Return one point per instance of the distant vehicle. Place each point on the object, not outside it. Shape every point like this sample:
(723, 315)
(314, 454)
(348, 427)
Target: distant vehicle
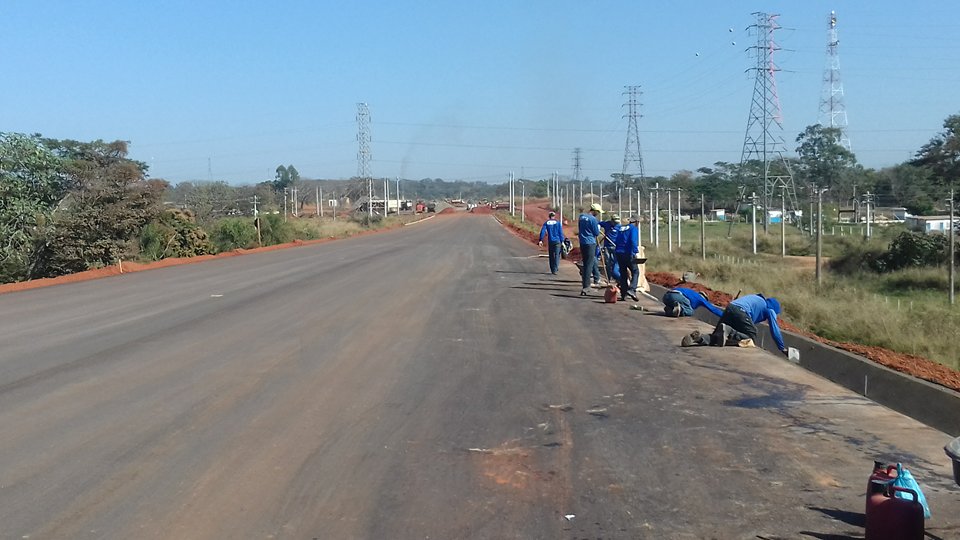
(431, 206)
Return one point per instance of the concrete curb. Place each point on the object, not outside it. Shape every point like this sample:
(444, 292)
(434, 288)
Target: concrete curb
(932, 404)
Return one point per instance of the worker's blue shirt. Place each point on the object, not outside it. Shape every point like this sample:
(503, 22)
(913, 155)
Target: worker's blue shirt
(553, 230)
(610, 230)
(628, 239)
(588, 229)
(756, 307)
(697, 300)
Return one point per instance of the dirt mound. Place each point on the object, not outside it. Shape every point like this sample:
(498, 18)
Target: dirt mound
(916, 366)
(481, 210)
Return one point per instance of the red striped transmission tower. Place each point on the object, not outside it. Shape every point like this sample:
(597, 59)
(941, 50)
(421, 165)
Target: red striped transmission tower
(763, 166)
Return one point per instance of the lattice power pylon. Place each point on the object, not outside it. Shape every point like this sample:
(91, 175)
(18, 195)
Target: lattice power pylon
(763, 166)
(363, 153)
(632, 158)
(833, 112)
(577, 172)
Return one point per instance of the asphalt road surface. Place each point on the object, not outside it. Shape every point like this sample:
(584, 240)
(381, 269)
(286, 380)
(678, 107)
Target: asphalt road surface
(429, 382)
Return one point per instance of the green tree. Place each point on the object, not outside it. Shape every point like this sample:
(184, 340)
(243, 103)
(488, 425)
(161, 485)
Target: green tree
(31, 187)
(824, 161)
(942, 154)
(103, 215)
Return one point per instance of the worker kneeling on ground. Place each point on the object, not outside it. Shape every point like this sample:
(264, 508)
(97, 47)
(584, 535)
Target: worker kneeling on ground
(682, 302)
(738, 324)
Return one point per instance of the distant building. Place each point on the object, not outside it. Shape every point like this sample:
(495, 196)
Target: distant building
(930, 224)
(717, 214)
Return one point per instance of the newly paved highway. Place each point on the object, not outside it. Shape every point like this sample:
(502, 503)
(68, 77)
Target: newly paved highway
(428, 382)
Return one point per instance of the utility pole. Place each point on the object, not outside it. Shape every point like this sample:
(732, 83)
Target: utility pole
(678, 217)
(650, 221)
(523, 197)
(319, 211)
(820, 236)
(513, 211)
(869, 200)
(953, 254)
(630, 200)
(783, 225)
(753, 220)
(285, 191)
(703, 230)
(398, 195)
(656, 215)
(669, 222)
(256, 221)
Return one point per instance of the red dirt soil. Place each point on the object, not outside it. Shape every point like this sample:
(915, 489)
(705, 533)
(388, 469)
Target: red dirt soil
(905, 363)
(481, 210)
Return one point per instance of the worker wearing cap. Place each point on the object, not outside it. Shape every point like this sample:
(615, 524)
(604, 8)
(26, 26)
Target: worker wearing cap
(553, 230)
(588, 230)
(739, 321)
(682, 302)
(610, 229)
(628, 245)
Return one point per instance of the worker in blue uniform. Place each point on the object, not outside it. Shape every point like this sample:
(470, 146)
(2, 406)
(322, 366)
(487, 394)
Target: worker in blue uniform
(628, 245)
(610, 230)
(739, 322)
(553, 230)
(682, 302)
(588, 230)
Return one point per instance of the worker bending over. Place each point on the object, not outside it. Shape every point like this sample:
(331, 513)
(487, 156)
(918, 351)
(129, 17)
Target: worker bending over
(682, 302)
(739, 322)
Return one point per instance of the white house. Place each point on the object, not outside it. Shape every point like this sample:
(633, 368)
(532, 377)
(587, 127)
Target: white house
(931, 224)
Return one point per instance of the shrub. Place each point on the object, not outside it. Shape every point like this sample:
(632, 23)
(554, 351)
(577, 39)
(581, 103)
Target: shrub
(913, 249)
(234, 233)
(274, 230)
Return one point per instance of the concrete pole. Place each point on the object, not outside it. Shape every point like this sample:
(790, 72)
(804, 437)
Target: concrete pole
(656, 216)
(753, 220)
(319, 211)
(953, 255)
(523, 197)
(650, 221)
(819, 237)
(398, 195)
(560, 200)
(678, 218)
(783, 226)
(669, 222)
(703, 230)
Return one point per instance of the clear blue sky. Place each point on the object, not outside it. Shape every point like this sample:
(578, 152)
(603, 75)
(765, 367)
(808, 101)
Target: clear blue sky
(459, 89)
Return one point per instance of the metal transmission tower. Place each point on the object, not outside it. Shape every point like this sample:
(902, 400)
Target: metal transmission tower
(363, 153)
(631, 150)
(763, 144)
(577, 179)
(833, 112)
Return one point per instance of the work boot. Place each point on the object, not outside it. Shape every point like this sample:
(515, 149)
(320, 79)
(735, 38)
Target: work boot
(633, 296)
(693, 338)
(719, 335)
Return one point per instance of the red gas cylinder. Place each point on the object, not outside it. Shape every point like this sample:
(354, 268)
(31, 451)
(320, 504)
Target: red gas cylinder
(893, 518)
(880, 478)
(610, 294)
